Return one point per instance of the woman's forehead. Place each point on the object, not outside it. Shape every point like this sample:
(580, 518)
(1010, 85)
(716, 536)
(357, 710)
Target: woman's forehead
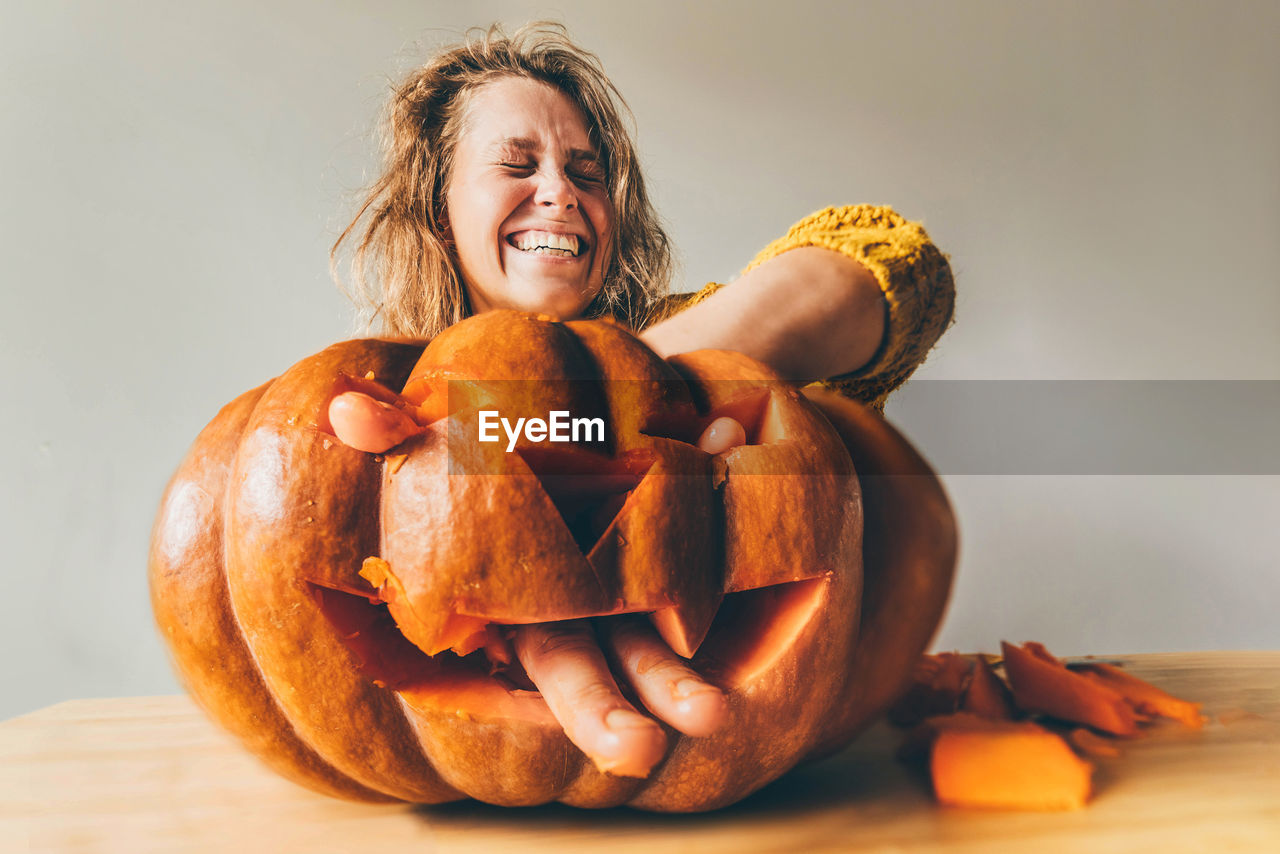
(526, 116)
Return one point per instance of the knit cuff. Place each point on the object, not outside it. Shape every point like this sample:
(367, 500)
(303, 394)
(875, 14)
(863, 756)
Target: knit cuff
(912, 273)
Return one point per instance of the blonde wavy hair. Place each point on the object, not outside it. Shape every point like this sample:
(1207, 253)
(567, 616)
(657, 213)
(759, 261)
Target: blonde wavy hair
(403, 269)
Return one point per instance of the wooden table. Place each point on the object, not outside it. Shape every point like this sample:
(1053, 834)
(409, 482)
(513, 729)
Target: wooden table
(151, 774)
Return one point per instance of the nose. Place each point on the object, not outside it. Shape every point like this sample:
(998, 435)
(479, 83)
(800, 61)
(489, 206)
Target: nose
(556, 191)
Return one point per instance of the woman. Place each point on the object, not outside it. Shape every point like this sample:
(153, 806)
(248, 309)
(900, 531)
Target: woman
(512, 183)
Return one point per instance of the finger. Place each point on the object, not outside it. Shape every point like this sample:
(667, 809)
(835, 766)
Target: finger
(565, 662)
(361, 422)
(497, 647)
(667, 686)
(721, 435)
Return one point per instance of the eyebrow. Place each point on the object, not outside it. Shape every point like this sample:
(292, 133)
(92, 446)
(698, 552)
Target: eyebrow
(521, 143)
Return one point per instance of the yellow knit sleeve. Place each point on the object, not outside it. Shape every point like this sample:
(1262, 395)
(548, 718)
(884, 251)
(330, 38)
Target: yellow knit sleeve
(913, 274)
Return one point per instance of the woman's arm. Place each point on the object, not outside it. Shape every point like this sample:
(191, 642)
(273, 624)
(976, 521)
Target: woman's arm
(808, 320)
(809, 313)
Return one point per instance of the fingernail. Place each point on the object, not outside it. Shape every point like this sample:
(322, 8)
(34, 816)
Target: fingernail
(689, 687)
(626, 719)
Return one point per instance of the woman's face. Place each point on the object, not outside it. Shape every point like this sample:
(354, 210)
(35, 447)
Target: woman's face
(527, 203)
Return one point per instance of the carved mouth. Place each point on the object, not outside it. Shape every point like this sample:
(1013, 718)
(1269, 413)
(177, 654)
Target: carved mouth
(751, 631)
(748, 627)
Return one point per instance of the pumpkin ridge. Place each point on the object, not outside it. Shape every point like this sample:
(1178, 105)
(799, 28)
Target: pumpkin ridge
(284, 469)
(909, 558)
(211, 644)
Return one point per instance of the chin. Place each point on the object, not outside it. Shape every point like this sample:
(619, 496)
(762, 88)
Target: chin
(562, 301)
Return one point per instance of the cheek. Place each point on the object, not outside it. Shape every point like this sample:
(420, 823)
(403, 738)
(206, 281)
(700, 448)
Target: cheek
(605, 225)
(474, 234)
(477, 210)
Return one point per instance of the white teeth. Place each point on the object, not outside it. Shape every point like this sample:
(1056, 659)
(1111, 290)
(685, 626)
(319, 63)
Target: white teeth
(546, 243)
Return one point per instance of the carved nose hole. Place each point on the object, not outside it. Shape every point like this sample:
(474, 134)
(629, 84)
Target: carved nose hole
(588, 489)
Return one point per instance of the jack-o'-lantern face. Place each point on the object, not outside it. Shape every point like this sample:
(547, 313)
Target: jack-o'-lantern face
(525, 531)
(367, 588)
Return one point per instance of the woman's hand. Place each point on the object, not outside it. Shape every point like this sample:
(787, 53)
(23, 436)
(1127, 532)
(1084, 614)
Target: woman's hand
(565, 660)
(566, 663)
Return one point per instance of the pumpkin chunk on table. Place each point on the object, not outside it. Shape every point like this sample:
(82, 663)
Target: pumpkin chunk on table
(977, 762)
(980, 756)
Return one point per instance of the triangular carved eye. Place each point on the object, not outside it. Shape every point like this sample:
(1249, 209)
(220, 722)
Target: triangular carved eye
(587, 488)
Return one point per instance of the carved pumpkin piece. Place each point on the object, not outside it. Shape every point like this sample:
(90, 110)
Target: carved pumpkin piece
(566, 532)
(358, 595)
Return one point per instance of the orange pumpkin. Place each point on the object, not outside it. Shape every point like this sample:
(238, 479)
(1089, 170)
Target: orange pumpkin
(803, 573)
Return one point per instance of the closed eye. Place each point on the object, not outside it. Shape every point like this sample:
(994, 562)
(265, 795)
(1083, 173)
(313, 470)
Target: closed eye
(589, 177)
(588, 169)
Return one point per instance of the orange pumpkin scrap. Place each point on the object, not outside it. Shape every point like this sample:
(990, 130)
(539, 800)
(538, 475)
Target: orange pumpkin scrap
(1090, 743)
(340, 611)
(986, 695)
(1043, 684)
(946, 682)
(977, 762)
(979, 756)
(938, 685)
(1144, 697)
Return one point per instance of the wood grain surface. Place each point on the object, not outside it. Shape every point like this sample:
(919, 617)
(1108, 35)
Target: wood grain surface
(151, 774)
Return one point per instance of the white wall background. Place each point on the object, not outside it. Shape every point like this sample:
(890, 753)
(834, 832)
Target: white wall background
(1104, 175)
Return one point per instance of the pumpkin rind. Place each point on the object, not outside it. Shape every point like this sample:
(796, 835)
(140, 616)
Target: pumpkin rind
(909, 555)
(257, 637)
(193, 611)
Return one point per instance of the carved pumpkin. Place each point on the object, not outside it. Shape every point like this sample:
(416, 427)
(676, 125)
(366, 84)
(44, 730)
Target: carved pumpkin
(803, 573)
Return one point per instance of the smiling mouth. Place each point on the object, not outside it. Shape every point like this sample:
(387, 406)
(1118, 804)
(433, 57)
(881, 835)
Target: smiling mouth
(547, 243)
